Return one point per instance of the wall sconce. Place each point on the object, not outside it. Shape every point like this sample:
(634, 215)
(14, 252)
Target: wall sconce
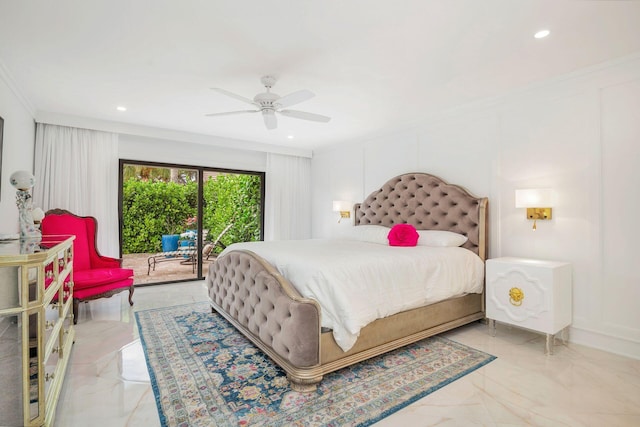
(538, 202)
(344, 207)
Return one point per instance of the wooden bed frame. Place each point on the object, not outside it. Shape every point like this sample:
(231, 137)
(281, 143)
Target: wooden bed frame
(269, 311)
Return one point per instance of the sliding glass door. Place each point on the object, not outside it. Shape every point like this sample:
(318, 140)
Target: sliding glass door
(176, 219)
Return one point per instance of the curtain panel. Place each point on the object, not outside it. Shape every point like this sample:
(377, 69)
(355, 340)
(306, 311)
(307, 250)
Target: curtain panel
(288, 198)
(77, 169)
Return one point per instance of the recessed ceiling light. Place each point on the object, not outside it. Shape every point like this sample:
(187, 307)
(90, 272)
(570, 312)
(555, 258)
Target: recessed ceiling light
(542, 34)
(121, 108)
(290, 136)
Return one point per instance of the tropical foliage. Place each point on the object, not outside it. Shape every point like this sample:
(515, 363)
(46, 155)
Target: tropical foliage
(154, 204)
(233, 199)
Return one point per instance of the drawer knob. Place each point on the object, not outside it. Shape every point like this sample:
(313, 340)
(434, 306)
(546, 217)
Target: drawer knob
(516, 296)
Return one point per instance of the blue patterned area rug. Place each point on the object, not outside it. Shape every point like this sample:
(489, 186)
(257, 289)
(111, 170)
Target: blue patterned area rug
(204, 373)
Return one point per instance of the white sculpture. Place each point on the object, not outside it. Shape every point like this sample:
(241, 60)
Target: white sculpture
(23, 181)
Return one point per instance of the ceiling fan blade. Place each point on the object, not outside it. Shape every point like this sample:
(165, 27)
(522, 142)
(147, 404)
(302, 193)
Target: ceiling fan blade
(235, 96)
(294, 98)
(270, 120)
(305, 116)
(229, 113)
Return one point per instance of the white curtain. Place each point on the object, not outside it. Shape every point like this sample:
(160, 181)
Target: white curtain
(288, 198)
(77, 170)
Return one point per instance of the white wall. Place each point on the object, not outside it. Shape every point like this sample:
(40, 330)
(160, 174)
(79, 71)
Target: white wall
(577, 134)
(17, 154)
(17, 150)
(131, 147)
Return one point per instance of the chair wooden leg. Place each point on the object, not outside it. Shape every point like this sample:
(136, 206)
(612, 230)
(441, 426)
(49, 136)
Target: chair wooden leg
(76, 303)
(131, 289)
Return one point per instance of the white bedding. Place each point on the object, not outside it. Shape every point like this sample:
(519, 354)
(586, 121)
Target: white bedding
(358, 282)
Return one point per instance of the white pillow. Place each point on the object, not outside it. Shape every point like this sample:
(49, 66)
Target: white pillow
(440, 238)
(371, 233)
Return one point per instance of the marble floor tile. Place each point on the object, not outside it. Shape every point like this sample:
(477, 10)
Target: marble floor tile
(107, 383)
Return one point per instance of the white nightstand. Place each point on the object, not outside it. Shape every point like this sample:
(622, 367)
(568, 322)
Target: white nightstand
(529, 293)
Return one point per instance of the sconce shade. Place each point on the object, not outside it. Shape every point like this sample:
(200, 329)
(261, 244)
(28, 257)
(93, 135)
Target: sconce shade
(341, 206)
(534, 198)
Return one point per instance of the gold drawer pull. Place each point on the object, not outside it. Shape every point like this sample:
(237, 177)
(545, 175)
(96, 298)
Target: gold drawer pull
(49, 376)
(516, 296)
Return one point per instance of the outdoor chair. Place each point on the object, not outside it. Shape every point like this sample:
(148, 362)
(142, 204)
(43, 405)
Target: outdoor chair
(94, 275)
(207, 251)
(187, 254)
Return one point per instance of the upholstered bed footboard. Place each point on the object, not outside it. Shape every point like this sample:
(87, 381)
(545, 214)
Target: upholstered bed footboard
(261, 303)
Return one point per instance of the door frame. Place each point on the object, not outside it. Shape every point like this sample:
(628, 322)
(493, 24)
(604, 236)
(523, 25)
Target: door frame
(200, 170)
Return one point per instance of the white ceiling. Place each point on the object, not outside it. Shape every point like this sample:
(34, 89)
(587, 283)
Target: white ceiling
(374, 65)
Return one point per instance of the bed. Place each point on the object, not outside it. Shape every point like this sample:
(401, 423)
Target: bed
(269, 310)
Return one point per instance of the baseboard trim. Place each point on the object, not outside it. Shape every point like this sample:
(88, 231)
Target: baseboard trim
(616, 345)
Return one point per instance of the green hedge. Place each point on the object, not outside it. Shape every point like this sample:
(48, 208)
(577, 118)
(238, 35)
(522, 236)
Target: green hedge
(153, 208)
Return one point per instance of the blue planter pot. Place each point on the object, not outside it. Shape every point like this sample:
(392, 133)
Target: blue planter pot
(170, 242)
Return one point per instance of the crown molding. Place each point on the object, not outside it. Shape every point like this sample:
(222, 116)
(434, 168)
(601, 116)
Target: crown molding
(168, 134)
(7, 78)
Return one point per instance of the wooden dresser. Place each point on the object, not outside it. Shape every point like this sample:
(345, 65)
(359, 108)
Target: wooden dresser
(36, 327)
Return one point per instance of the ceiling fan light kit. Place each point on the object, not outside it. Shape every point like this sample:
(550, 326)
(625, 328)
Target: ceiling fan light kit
(269, 103)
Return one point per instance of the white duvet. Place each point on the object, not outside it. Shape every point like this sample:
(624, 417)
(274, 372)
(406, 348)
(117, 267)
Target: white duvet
(358, 282)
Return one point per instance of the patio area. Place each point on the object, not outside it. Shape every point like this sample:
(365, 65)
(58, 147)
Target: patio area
(166, 271)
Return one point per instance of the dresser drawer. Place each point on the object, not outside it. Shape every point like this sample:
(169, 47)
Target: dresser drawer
(56, 360)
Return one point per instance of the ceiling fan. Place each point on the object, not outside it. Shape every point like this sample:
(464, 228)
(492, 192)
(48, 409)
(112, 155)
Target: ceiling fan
(269, 103)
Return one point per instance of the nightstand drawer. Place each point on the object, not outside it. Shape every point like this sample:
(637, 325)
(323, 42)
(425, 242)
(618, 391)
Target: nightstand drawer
(533, 294)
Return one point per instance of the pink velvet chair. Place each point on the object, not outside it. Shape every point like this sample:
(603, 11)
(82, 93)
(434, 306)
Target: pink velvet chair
(94, 276)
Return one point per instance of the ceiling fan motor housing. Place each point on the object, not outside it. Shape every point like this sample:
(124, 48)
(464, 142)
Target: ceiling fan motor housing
(266, 99)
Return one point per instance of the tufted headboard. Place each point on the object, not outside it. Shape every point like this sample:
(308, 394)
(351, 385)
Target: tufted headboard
(428, 203)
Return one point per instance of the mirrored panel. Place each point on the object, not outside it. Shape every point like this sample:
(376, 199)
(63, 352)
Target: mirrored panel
(9, 290)
(32, 275)
(32, 361)
(11, 372)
